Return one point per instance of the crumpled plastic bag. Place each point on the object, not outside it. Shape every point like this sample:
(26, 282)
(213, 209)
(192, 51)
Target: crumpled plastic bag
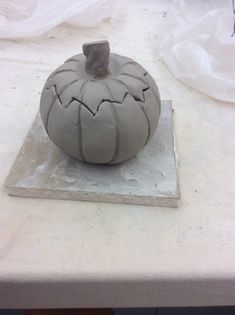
(27, 18)
(198, 46)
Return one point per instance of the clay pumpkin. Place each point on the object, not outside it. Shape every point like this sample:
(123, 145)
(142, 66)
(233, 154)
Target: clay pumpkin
(100, 107)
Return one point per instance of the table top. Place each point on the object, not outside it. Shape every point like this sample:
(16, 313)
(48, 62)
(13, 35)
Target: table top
(58, 253)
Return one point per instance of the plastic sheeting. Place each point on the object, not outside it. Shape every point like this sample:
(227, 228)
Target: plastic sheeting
(198, 46)
(26, 18)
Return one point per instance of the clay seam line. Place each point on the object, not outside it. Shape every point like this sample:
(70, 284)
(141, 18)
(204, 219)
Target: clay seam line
(117, 136)
(102, 101)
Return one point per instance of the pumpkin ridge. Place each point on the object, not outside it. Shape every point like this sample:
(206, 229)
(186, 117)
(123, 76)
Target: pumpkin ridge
(130, 63)
(147, 120)
(127, 88)
(116, 133)
(50, 109)
(81, 94)
(131, 92)
(115, 123)
(68, 85)
(81, 103)
(58, 96)
(65, 87)
(72, 100)
(60, 71)
(74, 59)
(110, 101)
(80, 147)
(134, 77)
(153, 90)
(108, 89)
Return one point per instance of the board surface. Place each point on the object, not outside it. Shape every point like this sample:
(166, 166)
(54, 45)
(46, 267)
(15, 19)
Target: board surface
(42, 170)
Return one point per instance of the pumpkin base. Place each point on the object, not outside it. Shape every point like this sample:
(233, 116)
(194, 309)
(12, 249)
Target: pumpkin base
(42, 170)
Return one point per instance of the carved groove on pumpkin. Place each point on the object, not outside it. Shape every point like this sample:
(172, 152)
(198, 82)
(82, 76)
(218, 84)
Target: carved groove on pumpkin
(80, 146)
(50, 109)
(116, 133)
(116, 124)
(102, 101)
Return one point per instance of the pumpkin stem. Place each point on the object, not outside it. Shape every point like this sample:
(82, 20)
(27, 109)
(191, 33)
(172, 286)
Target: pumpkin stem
(97, 58)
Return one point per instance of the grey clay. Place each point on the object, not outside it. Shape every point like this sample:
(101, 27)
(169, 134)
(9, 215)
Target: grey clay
(100, 107)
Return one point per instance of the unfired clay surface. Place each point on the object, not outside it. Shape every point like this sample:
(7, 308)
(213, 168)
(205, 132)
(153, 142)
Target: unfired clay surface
(99, 107)
(42, 170)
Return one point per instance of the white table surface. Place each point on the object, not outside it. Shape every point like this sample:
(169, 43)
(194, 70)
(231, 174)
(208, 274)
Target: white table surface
(79, 254)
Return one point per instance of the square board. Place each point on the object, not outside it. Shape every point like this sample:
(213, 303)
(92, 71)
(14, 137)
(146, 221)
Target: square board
(42, 170)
